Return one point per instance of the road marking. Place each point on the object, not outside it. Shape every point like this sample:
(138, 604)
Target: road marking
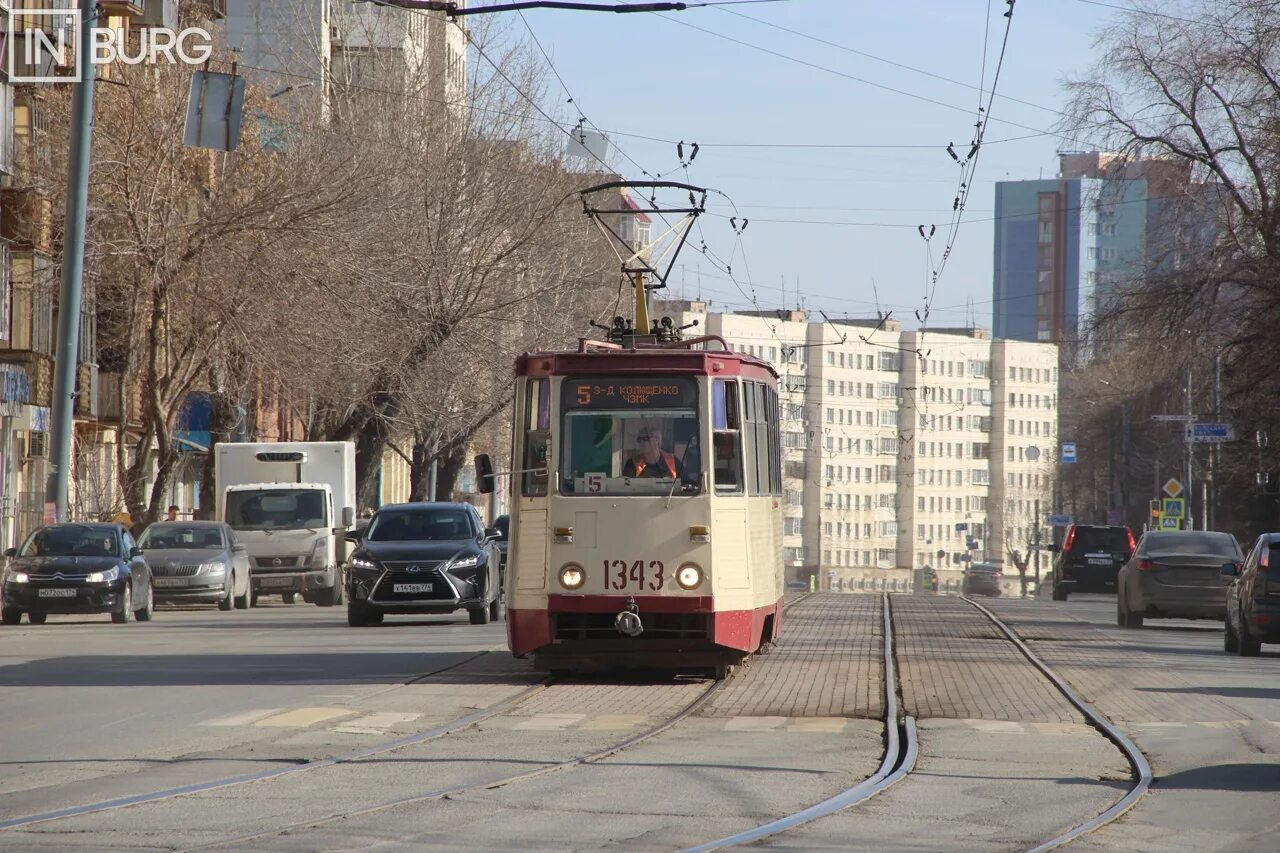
(613, 722)
(817, 724)
(548, 722)
(300, 717)
(1003, 727)
(242, 719)
(753, 724)
(375, 724)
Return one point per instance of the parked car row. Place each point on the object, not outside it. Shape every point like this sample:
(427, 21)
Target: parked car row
(1178, 574)
(411, 558)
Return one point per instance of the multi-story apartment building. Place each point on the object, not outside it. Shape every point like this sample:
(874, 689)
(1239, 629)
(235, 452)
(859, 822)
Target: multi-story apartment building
(902, 449)
(343, 47)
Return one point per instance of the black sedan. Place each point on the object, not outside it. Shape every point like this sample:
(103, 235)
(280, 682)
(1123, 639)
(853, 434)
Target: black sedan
(982, 579)
(77, 568)
(424, 558)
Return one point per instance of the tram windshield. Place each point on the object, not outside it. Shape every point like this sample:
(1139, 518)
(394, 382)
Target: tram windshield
(630, 437)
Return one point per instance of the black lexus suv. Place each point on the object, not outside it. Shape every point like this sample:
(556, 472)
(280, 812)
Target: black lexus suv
(1090, 558)
(424, 558)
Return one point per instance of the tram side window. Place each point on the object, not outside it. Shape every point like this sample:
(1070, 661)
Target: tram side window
(775, 441)
(759, 460)
(726, 436)
(537, 437)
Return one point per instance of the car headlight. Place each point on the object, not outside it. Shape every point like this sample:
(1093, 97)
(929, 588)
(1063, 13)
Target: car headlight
(212, 568)
(19, 577)
(469, 562)
(362, 563)
(689, 576)
(103, 577)
(319, 554)
(572, 576)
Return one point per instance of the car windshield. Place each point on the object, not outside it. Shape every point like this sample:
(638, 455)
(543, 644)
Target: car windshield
(72, 540)
(630, 437)
(417, 525)
(164, 537)
(1101, 539)
(276, 509)
(1191, 543)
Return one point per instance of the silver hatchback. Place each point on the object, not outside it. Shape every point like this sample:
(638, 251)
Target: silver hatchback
(1176, 574)
(197, 562)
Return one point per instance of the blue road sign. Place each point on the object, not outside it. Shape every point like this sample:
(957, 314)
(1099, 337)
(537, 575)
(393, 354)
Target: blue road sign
(1210, 433)
(1059, 521)
(1068, 453)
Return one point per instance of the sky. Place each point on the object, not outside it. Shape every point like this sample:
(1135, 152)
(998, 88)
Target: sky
(836, 227)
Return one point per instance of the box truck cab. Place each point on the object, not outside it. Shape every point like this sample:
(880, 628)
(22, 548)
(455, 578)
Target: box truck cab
(291, 504)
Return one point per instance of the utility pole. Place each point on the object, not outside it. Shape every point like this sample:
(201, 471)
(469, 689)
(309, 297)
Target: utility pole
(1035, 541)
(66, 358)
(1211, 497)
(1190, 485)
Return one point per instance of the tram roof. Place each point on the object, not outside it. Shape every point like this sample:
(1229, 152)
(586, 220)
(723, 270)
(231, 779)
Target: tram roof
(598, 357)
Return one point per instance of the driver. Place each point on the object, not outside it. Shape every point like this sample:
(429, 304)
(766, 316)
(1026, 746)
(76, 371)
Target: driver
(650, 460)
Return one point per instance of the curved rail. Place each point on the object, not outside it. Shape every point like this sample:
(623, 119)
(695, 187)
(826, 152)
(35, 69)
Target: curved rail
(683, 714)
(901, 749)
(245, 778)
(1109, 729)
(489, 784)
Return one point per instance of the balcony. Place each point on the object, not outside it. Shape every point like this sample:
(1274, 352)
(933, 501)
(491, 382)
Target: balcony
(86, 391)
(109, 399)
(126, 8)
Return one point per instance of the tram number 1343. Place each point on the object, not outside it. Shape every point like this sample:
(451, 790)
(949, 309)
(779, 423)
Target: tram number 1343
(619, 574)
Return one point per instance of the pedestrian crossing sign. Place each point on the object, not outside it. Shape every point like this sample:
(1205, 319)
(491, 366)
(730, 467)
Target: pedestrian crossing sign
(1167, 523)
(1174, 508)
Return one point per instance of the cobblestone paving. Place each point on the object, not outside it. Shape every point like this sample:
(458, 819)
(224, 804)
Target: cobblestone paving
(650, 700)
(828, 663)
(953, 662)
(1127, 684)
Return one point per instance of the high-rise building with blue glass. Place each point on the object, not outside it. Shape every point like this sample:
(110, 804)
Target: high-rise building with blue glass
(1063, 244)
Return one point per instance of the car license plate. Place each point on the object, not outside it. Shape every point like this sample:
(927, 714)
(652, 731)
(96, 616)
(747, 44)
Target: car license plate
(411, 587)
(1099, 561)
(57, 593)
(276, 581)
(169, 581)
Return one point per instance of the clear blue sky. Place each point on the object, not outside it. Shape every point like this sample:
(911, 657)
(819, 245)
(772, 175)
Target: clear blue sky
(654, 75)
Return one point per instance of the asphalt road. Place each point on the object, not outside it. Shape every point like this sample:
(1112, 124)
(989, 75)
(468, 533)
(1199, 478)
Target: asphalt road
(94, 711)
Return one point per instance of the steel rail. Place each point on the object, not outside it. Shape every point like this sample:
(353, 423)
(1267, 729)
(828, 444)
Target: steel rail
(451, 727)
(1100, 721)
(490, 784)
(899, 760)
(499, 782)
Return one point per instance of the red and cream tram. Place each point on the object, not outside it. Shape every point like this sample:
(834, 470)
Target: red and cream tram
(646, 529)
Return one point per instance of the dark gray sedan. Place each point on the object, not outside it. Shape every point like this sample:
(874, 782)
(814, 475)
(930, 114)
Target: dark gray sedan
(1176, 574)
(197, 562)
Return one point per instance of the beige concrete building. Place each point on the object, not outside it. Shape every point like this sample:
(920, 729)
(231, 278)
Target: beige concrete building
(901, 449)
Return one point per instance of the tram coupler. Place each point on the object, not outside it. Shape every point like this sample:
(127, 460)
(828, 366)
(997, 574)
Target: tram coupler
(628, 621)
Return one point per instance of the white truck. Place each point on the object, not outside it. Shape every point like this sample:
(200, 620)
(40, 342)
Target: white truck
(291, 504)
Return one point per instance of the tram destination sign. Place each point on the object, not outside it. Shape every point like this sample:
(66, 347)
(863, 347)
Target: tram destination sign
(618, 392)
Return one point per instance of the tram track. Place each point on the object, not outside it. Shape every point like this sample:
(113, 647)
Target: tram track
(1137, 761)
(498, 782)
(454, 726)
(902, 749)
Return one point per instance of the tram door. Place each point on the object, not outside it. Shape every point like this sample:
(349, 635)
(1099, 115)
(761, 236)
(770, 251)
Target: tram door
(529, 540)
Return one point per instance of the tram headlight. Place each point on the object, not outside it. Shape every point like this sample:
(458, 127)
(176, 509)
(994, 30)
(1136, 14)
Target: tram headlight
(572, 576)
(689, 576)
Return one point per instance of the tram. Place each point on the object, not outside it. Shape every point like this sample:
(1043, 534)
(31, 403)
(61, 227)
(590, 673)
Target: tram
(646, 528)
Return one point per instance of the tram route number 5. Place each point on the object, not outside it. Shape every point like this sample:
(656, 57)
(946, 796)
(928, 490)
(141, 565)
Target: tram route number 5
(619, 575)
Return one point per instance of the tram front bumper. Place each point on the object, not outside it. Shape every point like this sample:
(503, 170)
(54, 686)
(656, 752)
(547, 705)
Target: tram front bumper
(582, 632)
